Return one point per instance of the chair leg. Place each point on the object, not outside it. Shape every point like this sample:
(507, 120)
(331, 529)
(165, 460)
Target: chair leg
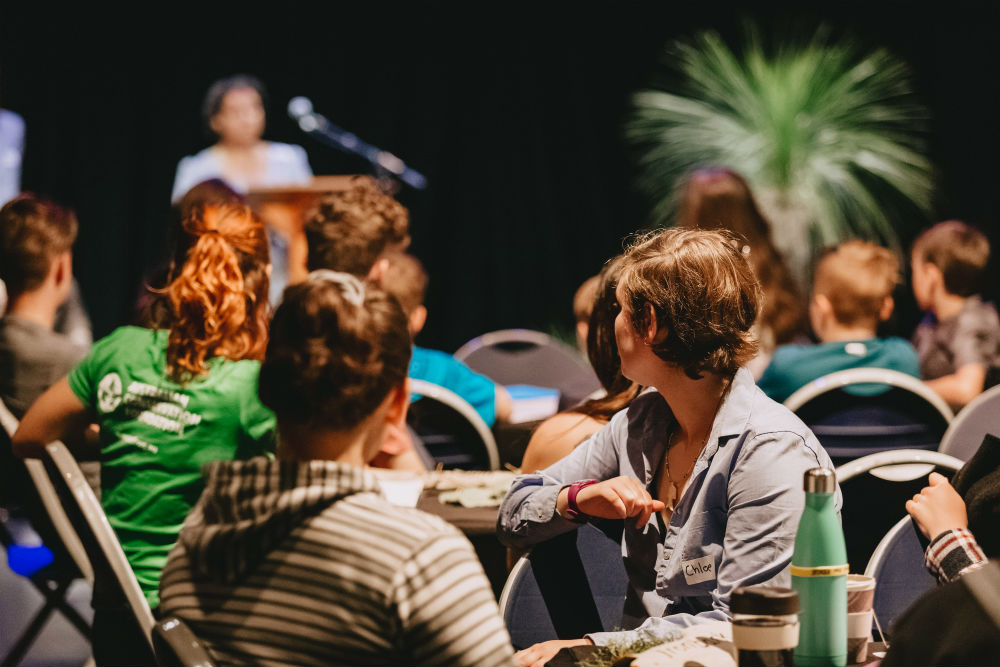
(55, 598)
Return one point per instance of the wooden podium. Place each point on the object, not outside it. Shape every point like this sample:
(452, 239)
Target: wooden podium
(284, 209)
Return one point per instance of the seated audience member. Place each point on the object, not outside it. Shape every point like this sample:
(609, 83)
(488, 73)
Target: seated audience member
(558, 435)
(406, 280)
(354, 231)
(702, 464)
(301, 560)
(36, 262)
(852, 294)
(958, 342)
(583, 306)
(168, 400)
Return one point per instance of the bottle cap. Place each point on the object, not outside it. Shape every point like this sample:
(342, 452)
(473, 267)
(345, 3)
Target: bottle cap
(769, 600)
(820, 480)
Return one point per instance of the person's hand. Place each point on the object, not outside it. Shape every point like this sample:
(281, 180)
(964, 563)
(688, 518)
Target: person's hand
(618, 498)
(539, 654)
(938, 507)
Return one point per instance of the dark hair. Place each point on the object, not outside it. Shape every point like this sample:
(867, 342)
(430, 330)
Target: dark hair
(702, 292)
(602, 348)
(348, 230)
(720, 198)
(33, 231)
(406, 280)
(215, 302)
(212, 102)
(959, 251)
(335, 352)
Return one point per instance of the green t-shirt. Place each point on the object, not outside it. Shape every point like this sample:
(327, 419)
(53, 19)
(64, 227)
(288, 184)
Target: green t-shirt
(156, 435)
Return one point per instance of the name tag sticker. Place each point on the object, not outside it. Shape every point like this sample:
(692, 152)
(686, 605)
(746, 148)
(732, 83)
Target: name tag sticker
(698, 570)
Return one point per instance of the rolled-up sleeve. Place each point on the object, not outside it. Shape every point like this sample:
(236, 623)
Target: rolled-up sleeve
(528, 512)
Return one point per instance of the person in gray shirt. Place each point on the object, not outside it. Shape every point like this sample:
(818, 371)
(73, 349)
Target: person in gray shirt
(705, 468)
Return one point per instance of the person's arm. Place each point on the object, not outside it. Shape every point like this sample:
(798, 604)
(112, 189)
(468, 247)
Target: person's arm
(959, 388)
(57, 415)
(555, 438)
(503, 404)
(446, 607)
(939, 512)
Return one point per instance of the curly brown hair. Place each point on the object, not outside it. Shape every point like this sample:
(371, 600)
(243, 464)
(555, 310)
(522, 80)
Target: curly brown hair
(215, 301)
(349, 230)
(334, 354)
(701, 290)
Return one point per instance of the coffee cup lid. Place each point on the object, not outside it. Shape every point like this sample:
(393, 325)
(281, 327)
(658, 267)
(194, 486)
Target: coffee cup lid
(775, 600)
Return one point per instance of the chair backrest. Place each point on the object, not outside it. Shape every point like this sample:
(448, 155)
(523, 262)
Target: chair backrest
(112, 573)
(450, 429)
(897, 564)
(175, 645)
(876, 488)
(566, 587)
(860, 411)
(524, 356)
(966, 431)
(49, 500)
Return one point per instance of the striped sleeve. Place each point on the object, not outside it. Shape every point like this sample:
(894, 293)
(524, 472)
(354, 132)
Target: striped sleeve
(952, 554)
(446, 607)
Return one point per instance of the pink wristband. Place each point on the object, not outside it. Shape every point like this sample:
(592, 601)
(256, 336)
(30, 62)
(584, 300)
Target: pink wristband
(573, 512)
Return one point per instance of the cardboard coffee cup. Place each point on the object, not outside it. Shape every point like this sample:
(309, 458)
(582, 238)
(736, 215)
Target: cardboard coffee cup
(860, 596)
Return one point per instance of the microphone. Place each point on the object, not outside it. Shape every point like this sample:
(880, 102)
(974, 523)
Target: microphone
(301, 110)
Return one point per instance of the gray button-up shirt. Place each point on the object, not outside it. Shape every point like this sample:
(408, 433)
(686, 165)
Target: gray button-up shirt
(733, 526)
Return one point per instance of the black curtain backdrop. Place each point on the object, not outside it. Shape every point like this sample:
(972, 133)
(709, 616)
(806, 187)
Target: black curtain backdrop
(514, 113)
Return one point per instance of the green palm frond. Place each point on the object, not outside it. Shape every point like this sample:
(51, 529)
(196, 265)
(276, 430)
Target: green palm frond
(832, 139)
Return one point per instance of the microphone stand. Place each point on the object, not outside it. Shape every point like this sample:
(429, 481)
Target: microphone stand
(384, 162)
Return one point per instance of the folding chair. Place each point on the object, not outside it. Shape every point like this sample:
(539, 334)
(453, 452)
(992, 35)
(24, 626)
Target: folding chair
(861, 411)
(876, 488)
(177, 646)
(566, 587)
(897, 564)
(450, 429)
(965, 433)
(112, 573)
(52, 567)
(523, 356)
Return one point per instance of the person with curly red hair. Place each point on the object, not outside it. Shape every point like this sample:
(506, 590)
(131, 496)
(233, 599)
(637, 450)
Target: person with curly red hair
(168, 399)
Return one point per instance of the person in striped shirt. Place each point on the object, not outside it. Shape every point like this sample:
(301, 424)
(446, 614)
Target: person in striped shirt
(300, 559)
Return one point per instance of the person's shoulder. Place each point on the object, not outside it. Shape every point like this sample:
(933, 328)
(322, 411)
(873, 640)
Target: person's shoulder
(408, 525)
(285, 152)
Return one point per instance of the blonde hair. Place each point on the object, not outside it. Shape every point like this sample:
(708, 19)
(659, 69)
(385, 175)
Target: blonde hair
(856, 277)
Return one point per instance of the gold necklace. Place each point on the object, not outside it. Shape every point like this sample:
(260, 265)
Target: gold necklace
(673, 492)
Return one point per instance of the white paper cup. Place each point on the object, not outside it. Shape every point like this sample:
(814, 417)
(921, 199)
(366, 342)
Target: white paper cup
(859, 632)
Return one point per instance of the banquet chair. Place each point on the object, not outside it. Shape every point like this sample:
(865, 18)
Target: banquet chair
(861, 411)
(50, 567)
(979, 417)
(524, 356)
(875, 489)
(897, 565)
(113, 576)
(449, 429)
(567, 586)
(175, 645)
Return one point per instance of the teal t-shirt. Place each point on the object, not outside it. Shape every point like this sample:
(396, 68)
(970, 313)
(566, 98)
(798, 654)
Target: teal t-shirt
(156, 435)
(794, 366)
(446, 371)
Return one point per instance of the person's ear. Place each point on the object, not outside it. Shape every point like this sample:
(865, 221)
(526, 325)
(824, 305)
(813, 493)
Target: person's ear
(654, 333)
(378, 271)
(934, 278)
(885, 312)
(417, 319)
(62, 269)
(399, 402)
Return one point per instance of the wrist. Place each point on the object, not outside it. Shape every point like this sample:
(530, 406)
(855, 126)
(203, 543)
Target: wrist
(573, 511)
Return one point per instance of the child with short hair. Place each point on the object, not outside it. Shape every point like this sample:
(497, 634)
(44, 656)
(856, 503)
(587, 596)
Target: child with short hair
(958, 341)
(406, 280)
(852, 293)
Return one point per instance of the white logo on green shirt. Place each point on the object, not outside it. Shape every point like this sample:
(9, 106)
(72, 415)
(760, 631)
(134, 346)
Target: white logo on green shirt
(109, 392)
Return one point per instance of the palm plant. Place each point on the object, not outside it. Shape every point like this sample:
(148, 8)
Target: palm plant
(830, 138)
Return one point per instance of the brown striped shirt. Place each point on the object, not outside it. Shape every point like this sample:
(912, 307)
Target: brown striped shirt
(306, 563)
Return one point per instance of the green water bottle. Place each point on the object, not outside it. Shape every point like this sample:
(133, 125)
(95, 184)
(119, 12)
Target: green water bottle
(819, 575)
